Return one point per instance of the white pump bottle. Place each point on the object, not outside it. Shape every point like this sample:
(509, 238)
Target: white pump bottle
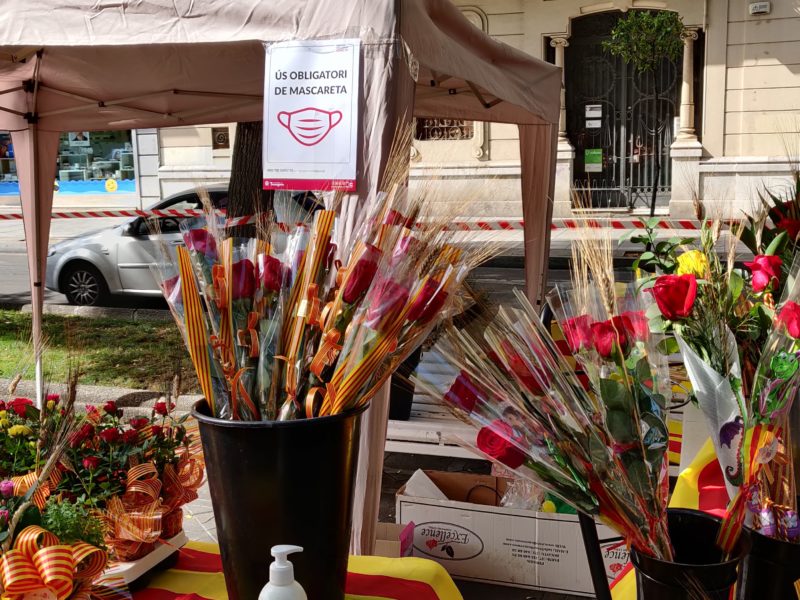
(282, 585)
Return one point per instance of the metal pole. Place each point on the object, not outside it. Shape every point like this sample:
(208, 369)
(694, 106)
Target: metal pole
(597, 567)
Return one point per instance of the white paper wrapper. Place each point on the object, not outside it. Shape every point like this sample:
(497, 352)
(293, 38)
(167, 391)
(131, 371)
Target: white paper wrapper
(721, 408)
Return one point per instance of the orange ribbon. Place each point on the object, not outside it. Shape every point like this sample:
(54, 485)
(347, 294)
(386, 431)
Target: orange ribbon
(23, 483)
(182, 481)
(220, 285)
(329, 349)
(249, 337)
(239, 391)
(38, 561)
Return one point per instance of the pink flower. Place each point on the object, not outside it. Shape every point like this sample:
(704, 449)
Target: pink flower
(361, 275)
(6, 488)
(200, 240)
(766, 271)
(270, 273)
(385, 302)
(244, 279)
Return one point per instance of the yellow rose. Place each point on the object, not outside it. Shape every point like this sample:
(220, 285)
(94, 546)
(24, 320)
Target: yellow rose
(693, 262)
(19, 430)
(3, 414)
(51, 404)
(4, 423)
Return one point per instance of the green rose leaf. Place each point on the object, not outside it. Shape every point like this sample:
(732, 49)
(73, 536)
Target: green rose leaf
(615, 395)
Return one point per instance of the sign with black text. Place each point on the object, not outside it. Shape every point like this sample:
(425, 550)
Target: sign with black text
(311, 115)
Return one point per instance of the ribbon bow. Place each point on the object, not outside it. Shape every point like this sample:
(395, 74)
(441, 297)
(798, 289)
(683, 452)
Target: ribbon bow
(182, 481)
(23, 483)
(328, 351)
(39, 561)
(248, 337)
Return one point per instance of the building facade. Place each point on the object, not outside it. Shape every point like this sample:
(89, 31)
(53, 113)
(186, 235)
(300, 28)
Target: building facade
(724, 119)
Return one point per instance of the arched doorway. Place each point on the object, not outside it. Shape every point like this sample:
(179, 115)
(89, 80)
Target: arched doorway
(614, 121)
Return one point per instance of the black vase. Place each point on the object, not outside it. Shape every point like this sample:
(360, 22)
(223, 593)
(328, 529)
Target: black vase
(282, 482)
(699, 569)
(770, 569)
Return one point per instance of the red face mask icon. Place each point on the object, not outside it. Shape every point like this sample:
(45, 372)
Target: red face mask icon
(309, 126)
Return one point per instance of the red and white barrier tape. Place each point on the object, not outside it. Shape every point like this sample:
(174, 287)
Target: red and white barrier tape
(496, 225)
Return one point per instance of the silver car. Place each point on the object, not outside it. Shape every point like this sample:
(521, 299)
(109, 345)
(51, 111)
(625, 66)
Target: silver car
(116, 260)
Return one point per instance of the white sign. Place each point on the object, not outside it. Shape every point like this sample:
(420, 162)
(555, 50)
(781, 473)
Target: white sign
(311, 115)
(593, 123)
(594, 111)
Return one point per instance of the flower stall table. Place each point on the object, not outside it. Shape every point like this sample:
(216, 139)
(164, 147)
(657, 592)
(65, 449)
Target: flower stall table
(198, 575)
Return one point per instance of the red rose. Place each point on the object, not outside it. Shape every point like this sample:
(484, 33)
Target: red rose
(2, 405)
(91, 463)
(385, 302)
(130, 436)
(84, 433)
(394, 217)
(270, 273)
(110, 408)
(766, 271)
(138, 423)
(675, 295)
(361, 275)
(463, 393)
(578, 332)
(790, 226)
(429, 300)
(110, 435)
(407, 244)
(790, 317)
(156, 430)
(244, 279)
(498, 441)
(20, 405)
(611, 335)
(521, 369)
(201, 241)
(636, 324)
(162, 409)
(171, 288)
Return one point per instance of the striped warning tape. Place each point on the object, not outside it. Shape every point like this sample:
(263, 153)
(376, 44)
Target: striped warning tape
(494, 225)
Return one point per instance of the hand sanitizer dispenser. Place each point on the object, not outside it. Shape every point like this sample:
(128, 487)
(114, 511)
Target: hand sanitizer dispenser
(282, 585)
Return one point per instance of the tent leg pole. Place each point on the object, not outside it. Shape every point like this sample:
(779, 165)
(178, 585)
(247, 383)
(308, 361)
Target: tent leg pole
(38, 371)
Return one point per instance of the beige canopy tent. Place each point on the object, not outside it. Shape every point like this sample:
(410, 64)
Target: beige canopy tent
(70, 65)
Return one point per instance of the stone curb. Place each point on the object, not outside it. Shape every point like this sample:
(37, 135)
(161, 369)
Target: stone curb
(109, 312)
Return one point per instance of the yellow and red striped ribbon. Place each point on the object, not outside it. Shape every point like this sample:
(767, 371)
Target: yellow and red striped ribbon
(320, 239)
(195, 327)
(23, 483)
(38, 561)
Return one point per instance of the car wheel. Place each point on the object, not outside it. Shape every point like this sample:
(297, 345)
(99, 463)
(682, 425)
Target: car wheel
(84, 285)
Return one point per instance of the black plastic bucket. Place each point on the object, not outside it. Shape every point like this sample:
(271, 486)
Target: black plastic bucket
(699, 570)
(770, 570)
(288, 482)
(401, 394)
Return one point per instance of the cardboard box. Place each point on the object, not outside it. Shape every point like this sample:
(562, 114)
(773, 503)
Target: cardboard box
(475, 539)
(393, 540)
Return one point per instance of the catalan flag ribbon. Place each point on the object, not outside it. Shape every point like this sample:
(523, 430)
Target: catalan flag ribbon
(39, 561)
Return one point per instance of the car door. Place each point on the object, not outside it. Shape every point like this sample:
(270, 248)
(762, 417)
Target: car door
(138, 247)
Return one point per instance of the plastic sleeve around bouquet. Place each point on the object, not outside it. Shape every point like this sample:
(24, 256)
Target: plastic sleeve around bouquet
(627, 373)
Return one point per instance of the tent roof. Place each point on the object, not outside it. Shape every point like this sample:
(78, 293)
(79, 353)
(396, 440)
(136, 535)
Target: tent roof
(201, 62)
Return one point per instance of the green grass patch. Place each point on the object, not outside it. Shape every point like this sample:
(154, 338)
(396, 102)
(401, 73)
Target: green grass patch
(140, 354)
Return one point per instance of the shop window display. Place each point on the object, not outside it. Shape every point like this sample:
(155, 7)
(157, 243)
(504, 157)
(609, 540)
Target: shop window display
(89, 162)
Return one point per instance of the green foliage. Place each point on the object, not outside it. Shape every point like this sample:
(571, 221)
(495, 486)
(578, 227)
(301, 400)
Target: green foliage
(73, 522)
(644, 38)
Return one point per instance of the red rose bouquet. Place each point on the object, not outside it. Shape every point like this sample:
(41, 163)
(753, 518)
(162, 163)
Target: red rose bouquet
(503, 374)
(287, 325)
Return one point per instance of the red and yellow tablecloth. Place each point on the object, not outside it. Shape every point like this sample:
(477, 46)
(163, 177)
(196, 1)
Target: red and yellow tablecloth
(198, 576)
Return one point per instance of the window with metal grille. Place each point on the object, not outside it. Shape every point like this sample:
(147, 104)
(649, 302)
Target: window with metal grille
(444, 129)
